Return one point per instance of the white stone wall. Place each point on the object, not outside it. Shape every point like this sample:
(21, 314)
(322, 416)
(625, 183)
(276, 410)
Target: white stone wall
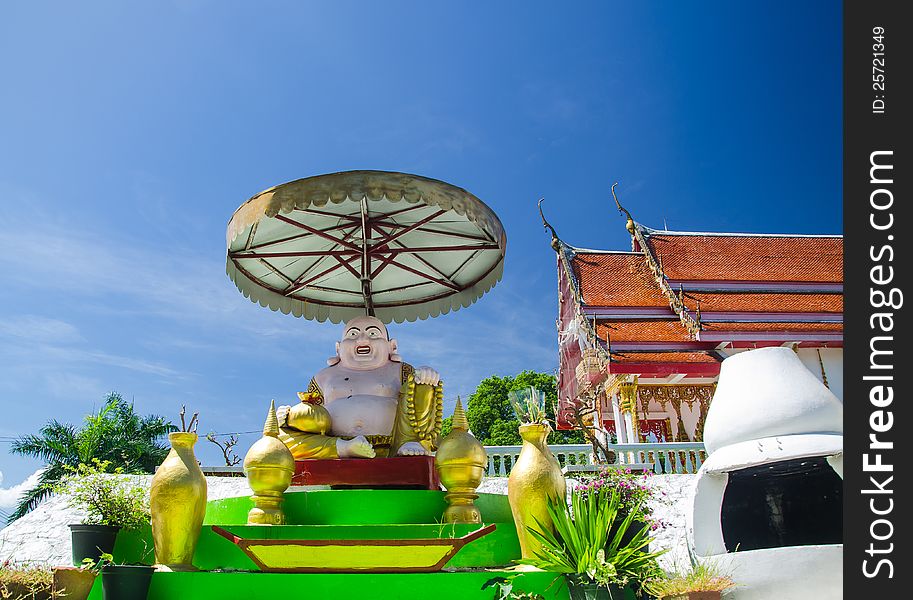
(43, 537)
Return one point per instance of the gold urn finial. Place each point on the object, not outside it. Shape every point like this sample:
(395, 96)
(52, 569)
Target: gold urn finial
(269, 467)
(460, 462)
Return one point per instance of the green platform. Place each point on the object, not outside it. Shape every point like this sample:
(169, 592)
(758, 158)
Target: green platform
(226, 572)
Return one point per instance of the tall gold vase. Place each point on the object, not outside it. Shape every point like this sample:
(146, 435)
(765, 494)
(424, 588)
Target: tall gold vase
(178, 504)
(534, 480)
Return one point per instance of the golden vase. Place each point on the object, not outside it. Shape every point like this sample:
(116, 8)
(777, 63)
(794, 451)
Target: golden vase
(178, 504)
(269, 467)
(534, 480)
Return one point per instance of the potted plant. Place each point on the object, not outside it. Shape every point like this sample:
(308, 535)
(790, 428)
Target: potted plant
(111, 501)
(703, 581)
(591, 553)
(122, 581)
(634, 493)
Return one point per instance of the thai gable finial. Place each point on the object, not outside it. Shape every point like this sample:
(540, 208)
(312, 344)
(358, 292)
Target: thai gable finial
(630, 224)
(556, 241)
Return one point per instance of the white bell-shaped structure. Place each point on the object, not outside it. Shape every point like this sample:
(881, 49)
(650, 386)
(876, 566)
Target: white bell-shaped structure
(767, 503)
(769, 392)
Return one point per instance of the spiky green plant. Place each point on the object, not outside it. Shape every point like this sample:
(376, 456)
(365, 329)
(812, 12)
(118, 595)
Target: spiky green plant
(529, 405)
(582, 549)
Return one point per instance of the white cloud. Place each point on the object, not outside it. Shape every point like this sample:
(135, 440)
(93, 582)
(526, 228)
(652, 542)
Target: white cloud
(9, 496)
(36, 328)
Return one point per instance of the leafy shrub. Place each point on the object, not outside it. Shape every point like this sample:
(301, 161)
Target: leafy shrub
(109, 497)
(633, 490)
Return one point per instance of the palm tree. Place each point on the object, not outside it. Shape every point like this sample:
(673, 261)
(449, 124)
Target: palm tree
(115, 433)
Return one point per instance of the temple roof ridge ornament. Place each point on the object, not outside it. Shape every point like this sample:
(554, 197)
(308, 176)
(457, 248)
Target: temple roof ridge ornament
(630, 225)
(565, 255)
(654, 263)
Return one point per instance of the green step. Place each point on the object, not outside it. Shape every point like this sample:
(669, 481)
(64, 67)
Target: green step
(445, 585)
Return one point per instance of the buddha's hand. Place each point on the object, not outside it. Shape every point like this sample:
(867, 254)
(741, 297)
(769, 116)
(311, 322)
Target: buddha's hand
(282, 415)
(412, 449)
(427, 375)
(357, 447)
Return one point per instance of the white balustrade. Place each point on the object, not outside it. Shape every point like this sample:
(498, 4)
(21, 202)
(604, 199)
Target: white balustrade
(661, 458)
(669, 457)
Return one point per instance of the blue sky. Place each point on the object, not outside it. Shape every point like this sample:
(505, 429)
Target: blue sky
(129, 133)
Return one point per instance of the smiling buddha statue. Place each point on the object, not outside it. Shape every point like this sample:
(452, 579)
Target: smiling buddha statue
(366, 403)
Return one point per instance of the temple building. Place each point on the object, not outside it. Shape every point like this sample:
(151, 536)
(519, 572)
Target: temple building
(642, 332)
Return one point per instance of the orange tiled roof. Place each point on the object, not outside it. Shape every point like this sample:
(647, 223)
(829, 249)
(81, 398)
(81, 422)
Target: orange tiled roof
(663, 357)
(784, 327)
(752, 302)
(616, 279)
(707, 257)
(673, 331)
(670, 330)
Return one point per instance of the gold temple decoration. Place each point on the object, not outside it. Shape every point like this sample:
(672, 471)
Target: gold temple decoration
(664, 394)
(177, 499)
(429, 429)
(628, 403)
(269, 467)
(676, 395)
(535, 480)
(460, 462)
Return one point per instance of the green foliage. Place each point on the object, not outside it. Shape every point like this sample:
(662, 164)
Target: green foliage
(705, 576)
(491, 416)
(504, 589)
(97, 567)
(446, 427)
(115, 434)
(108, 496)
(505, 433)
(582, 548)
(633, 490)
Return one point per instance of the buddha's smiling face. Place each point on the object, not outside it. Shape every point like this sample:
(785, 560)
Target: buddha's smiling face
(365, 344)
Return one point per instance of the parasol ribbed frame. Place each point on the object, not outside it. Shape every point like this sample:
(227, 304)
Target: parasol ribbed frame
(373, 186)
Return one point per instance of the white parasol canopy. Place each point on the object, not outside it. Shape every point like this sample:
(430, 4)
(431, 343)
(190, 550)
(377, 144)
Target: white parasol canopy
(401, 247)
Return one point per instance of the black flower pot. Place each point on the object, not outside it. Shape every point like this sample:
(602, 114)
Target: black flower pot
(594, 591)
(126, 582)
(91, 541)
(634, 528)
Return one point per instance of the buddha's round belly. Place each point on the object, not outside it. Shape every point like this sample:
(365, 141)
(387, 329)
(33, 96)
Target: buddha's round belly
(362, 415)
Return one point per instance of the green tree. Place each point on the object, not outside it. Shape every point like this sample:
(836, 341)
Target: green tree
(116, 434)
(446, 426)
(492, 418)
